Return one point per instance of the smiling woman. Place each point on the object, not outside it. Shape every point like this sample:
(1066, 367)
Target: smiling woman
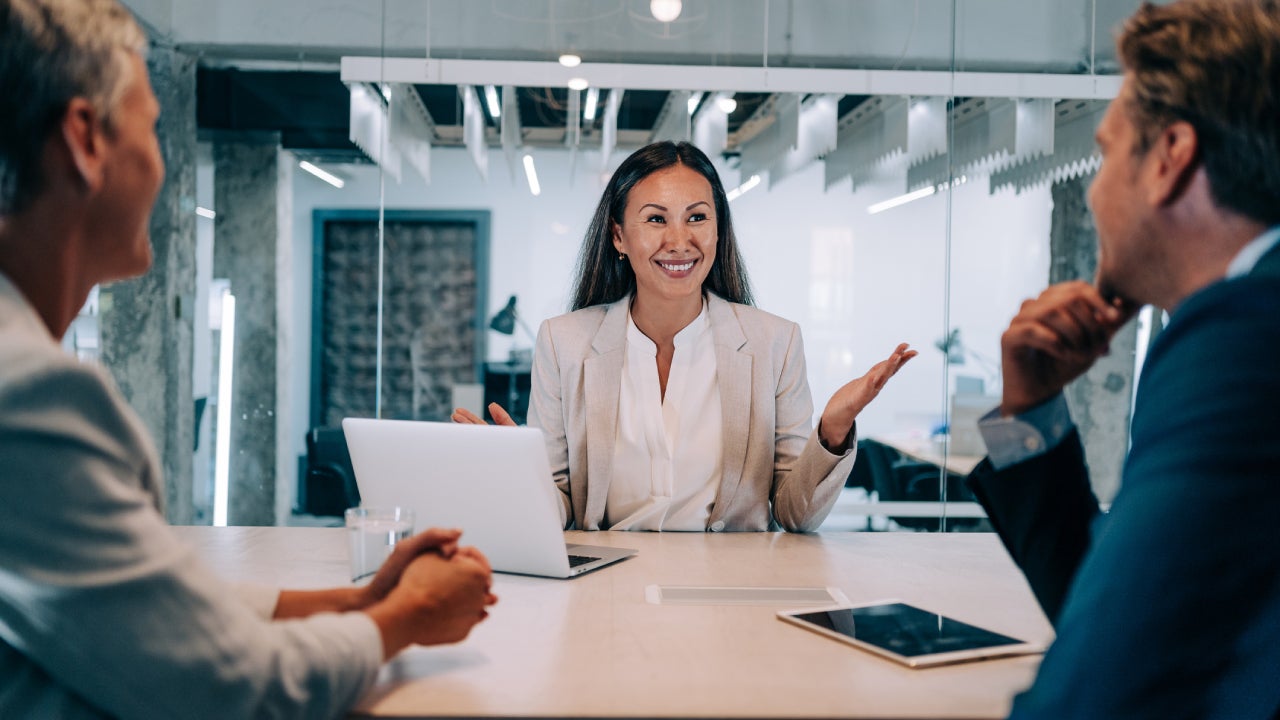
(667, 401)
(668, 235)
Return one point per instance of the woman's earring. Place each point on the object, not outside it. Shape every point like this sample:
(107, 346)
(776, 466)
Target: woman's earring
(622, 256)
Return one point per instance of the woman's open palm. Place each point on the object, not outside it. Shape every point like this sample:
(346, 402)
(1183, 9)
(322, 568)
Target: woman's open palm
(855, 395)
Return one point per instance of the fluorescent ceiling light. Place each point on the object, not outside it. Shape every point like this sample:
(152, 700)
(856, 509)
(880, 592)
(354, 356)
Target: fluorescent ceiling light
(206, 213)
(727, 104)
(894, 202)
(532, 174)
(694, 99)
(578, 83)
(589, 109)
(222, 453)
(665, 10)
(328, 177)
(570, 60)
(491, 97)
(739, 191)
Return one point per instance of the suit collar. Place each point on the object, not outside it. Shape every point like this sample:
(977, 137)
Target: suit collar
(1269, 263)
(733, 376)
(16, 308)
(725, 326)
(602, 381)
(612, 333)
(1258, 254)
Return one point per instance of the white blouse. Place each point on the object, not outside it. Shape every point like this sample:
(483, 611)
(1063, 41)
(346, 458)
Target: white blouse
(668, 454)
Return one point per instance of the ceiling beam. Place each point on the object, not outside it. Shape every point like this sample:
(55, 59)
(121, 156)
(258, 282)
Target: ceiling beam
(730, 79)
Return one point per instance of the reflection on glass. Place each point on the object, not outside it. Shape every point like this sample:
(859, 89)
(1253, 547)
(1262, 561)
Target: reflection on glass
(902, 205)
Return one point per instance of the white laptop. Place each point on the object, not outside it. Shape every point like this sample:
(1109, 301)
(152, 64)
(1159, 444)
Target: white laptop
(494, 483)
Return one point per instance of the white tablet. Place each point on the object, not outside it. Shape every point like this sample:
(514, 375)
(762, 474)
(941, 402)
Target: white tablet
(907, 634)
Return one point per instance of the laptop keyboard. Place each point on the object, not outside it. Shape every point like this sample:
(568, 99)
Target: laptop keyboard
(576, 560)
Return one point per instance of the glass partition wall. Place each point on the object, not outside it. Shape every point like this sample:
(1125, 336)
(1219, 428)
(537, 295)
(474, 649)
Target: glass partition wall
(393, 197)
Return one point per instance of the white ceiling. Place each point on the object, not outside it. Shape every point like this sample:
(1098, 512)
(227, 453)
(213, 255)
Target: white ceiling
(1056, 36)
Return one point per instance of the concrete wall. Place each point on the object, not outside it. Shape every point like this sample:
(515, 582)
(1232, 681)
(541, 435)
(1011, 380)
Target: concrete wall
(146, 324)
(1100, 400)
(245, 252)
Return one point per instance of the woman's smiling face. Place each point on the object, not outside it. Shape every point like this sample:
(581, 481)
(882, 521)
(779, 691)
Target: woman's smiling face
(668, 233)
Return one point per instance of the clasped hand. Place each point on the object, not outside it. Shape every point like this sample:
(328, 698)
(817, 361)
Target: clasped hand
(442, 543)
(443, 588)
(1054, 339)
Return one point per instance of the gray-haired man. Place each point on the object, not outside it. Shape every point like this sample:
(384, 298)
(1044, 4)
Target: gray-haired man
(102, 611)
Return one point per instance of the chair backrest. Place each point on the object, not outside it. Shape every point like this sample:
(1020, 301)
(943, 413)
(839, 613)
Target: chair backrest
(873, 465)
(897, 478)
(329, 485)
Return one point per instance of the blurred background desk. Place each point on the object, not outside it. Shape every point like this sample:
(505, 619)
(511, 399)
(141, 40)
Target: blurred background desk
(594, 647)
(930, 450)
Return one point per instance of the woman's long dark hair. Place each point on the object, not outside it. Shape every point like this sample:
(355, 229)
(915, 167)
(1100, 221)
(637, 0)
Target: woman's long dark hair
(603, 278)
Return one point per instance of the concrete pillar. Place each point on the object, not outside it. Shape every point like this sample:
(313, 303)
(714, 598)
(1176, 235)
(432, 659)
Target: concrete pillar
(244, 252)
(146, 324)
(1099, 399)
(290, 428)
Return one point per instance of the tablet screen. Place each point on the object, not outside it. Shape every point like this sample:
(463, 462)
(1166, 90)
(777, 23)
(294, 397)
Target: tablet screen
(905, 630)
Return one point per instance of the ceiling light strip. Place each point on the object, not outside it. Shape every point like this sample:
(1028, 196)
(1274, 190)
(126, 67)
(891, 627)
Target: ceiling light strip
(732, 79)
(894, 202)
(491, 99)
(531, 173)
(738, 192)
(324, 175)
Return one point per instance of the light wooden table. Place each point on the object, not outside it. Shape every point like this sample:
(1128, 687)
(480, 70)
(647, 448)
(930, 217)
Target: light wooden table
(594, 647)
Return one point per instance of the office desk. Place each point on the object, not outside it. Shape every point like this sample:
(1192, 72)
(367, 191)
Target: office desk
(594, 647)
(930, 451)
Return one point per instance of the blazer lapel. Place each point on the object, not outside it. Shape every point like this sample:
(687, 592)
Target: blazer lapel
(603, 381)
(733, 376)
(1269, 263)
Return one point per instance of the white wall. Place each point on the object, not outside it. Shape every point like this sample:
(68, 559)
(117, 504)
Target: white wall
(856, 283)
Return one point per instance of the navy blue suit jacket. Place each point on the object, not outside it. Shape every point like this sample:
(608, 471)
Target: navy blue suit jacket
(1168, 606)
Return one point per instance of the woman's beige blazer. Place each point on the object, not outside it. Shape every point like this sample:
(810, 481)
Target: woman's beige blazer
(776, 472)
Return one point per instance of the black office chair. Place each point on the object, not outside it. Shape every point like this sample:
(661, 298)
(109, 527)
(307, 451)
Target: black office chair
(329, 483)
(921, 485)
(863, 474)
(897, 478)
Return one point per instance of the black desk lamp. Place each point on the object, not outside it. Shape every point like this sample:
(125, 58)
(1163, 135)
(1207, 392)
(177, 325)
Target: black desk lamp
(505, 322)
(507, 318)
(951, 346)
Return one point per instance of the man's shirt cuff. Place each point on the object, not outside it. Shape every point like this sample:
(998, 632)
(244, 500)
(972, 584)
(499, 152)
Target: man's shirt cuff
(1011, 440)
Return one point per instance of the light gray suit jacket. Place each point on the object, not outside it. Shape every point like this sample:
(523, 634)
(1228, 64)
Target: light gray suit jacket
(103, 611)
(776, 472)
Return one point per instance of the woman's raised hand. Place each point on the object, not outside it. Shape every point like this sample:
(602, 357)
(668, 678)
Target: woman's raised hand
(466, 417)
(848, 401)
